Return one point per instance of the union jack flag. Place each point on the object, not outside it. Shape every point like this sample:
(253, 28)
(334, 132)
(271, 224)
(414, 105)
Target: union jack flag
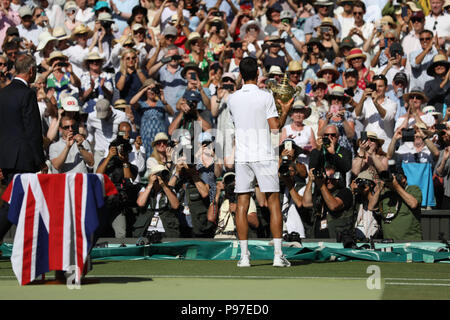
(56, 216)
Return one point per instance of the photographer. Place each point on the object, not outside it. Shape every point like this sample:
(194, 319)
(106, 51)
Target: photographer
(273, 45)
(399, 206)
(370, 156)
(329, 152)
(222, 210)
(161, 203)
(194, 193)
(122, 174)
(366, 224)
(332, 203)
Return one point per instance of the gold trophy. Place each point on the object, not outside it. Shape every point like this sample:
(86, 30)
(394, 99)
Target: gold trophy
(283, 91)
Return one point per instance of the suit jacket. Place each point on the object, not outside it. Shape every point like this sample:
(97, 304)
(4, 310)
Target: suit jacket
(21, 143)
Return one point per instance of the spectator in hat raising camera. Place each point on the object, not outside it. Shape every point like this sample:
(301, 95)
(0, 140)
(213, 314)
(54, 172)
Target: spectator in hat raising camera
(323, 8)
(399, 87)
(294, 37)
(438, 89)
(370, 155)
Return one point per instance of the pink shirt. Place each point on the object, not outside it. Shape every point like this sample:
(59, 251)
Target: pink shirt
(6, 21)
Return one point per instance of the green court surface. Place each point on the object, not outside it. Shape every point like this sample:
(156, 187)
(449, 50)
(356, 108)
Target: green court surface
(222, 280)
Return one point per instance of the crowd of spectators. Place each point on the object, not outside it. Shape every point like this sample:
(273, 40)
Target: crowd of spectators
(138, 90)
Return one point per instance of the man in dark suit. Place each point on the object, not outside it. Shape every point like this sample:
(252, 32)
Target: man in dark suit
(21, 142)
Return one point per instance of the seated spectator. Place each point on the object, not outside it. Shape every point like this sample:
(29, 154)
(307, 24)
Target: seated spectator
(414, 100)
(338, 116)
(370, 156)
(8, 18)
(356, 59)
(161, 204)
(299, 132)
(72, 153)
(331, 201)
(28, 29)
(222, 210)
(77, 52)
(294, 37)
(161, 154)
(377, 112)
(62, 42)
(438, 89)
(60, 77)
(43, 50)
(199, 56)
(95, 83)
(330, 74)
(367, 224)
(416, 155)
(5, 75)
(329, 151)
(270, 55)
(398, 204)
(394, 64)
(314, 58)
(361, 29)
(70, 11)
(421, 59)
(154, 111)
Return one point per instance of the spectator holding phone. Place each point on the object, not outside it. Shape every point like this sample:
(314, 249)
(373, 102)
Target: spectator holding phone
(327, 32)
(154, 109)
(270, 55)
(394, 65)
(370, 156)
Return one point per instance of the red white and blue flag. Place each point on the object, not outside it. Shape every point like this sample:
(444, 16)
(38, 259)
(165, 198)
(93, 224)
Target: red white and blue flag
(56, 216)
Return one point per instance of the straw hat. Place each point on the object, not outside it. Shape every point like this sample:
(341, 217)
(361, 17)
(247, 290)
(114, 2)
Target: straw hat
(55, 55)
(373, 135)
(190, 66)
(192, 36)
(93, 55)
(44, 39)
(415, 91)
(328, 67)
(80, 29)
(60, 34)
(328, 22)
(356, 53)
(161, 136)
(438, 59)
(388, 20)
(121, 104)
(294, 66)
(105, 16)
(414, 7)
(70, 5)
(323, 3)
(338, 92)
(275, 70)
(299, 105)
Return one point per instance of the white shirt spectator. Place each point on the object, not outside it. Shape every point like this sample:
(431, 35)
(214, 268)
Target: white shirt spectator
(103, 132)
(74, 162)
(85, 16)
(31, 34)
(76, 55)
(293, 221)
(366, 30)
(137, 158)
(346, 25)
(372, 121)
(428, 119)
(252, 135)
(419, 75)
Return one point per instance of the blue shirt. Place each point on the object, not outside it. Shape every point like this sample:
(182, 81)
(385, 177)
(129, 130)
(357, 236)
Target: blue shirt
(172, 84)
(401, 110)
(419, 75)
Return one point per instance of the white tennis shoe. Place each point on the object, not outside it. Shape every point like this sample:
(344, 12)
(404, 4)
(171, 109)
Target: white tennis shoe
(280, 261)
(244, 261)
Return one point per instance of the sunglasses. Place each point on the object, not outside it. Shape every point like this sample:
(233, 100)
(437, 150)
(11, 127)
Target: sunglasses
(330, 135)
(414, 20)
(130, 58)
(157, 143)
(390, 39)
(359, 13)
(73, 127)
(296, 72)
(425, 39)
(415, 96)
(2, 63)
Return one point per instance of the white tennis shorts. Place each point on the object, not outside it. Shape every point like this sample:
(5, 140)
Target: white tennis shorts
(264, 172)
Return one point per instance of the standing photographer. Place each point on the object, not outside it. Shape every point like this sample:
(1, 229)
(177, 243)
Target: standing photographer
(118, 168)
(222, 210)
(332, 203)
(273, 46)
(162, 204)
(399, 206)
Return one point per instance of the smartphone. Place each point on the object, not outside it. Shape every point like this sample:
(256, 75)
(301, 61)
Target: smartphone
(404, 11)
(193, 76)
(228, 87)
(372, 86)
(288, 145)
(363, 135)
(385, 42)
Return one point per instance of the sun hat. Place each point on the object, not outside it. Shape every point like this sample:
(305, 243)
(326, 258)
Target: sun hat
(294, 65)
(60, 34)
(25, 11)
(244, 28)
(432, 110)
(230, 75)
(338, 92)
(388, 20)
(138, 26)
(101, 4)
(105, 16)
(366, 175)
(356, 53)
(286, 14)
(192, 37)
(161, 136)
(328, 22)
(401, 77)
(413, 6)
(121, 104)
(157, 168)
(103, 108)
(92, 56)
(55, 55)
(300, 105)
(44, 38)
(190, 66)
(70, 103)
(70, 5)
(438, 59)
(323, 3)
(80, 29)
(328, 67)
(347, 42)
(191, 95)
(415, 91)
(170, 31)
(275, 70)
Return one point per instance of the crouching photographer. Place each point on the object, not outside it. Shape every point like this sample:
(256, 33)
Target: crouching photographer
(292, 176)
(331, 201)
(398, 204)
(367, 224)
(118, 168)
(222, 210)
(162, 206)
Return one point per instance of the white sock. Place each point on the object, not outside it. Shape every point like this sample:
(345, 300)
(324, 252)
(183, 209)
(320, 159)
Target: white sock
(277, 246)
(244, 247)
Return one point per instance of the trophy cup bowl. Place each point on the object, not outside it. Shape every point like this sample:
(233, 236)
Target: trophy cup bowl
(283, 91)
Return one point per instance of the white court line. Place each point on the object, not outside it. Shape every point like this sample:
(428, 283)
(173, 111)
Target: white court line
(418, 284)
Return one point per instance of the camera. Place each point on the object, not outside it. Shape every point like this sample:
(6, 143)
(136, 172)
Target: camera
(408, 134)
(106, 24)
(156, 89)
(229, 183)
(62, 64)
(218, 25)
(324, 29)
(228, 87)
(292, 237)
(171, 144)
(318, 173)
(386, 175)
(236, 45)
(350, 92)
(164, 175)
(217, 14)
(372, 86)
(122, 144)
(326, 141)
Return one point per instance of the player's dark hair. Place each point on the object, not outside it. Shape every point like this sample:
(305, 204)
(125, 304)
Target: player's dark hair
(248, 69)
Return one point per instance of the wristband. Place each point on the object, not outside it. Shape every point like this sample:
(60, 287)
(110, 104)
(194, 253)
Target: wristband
(126, 165)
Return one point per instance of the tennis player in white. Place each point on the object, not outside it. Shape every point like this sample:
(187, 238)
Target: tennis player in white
(255, 117)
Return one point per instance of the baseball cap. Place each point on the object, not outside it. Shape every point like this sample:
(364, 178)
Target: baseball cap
(351, 71)
(170, 31)
(102, 107)
(229, 75)
(400, 77)
(70, 103)
(418, 14)
(137, 26)
(191, 95)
